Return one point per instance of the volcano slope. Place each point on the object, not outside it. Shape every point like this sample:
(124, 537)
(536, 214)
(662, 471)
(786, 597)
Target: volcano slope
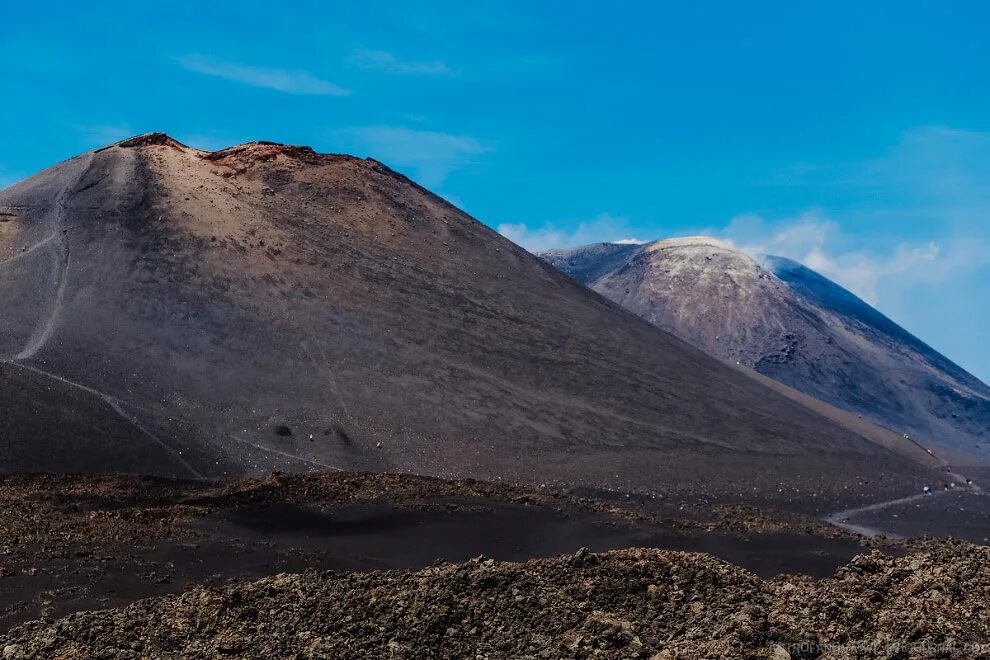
(177, 312)
(797, 327)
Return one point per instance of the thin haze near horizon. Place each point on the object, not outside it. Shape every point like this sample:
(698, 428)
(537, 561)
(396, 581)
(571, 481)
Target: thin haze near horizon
(852, 137)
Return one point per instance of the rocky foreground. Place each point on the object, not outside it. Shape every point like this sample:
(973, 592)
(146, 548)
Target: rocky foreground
(622, 604)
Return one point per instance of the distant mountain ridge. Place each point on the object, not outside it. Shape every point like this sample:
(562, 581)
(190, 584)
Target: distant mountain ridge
(792, 324)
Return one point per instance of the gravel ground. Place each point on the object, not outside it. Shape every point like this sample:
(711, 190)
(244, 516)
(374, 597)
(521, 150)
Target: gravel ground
(50, 509)
(621, 604)
(76, 543)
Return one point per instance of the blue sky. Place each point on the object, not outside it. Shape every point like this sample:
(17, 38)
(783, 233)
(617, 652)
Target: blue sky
(852, 136)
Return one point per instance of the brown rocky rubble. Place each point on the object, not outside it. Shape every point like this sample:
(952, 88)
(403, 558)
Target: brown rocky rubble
(621, 604)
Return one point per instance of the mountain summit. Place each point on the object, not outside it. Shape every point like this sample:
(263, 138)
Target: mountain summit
(795, 326)
(265, 307)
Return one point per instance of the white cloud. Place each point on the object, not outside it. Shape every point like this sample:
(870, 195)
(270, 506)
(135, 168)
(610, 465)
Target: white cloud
(820, 244)
(282, 80)
(604, 228)
(628, 241)
(864, 273)
(365, 58)
(536, 240)
(430, 156)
